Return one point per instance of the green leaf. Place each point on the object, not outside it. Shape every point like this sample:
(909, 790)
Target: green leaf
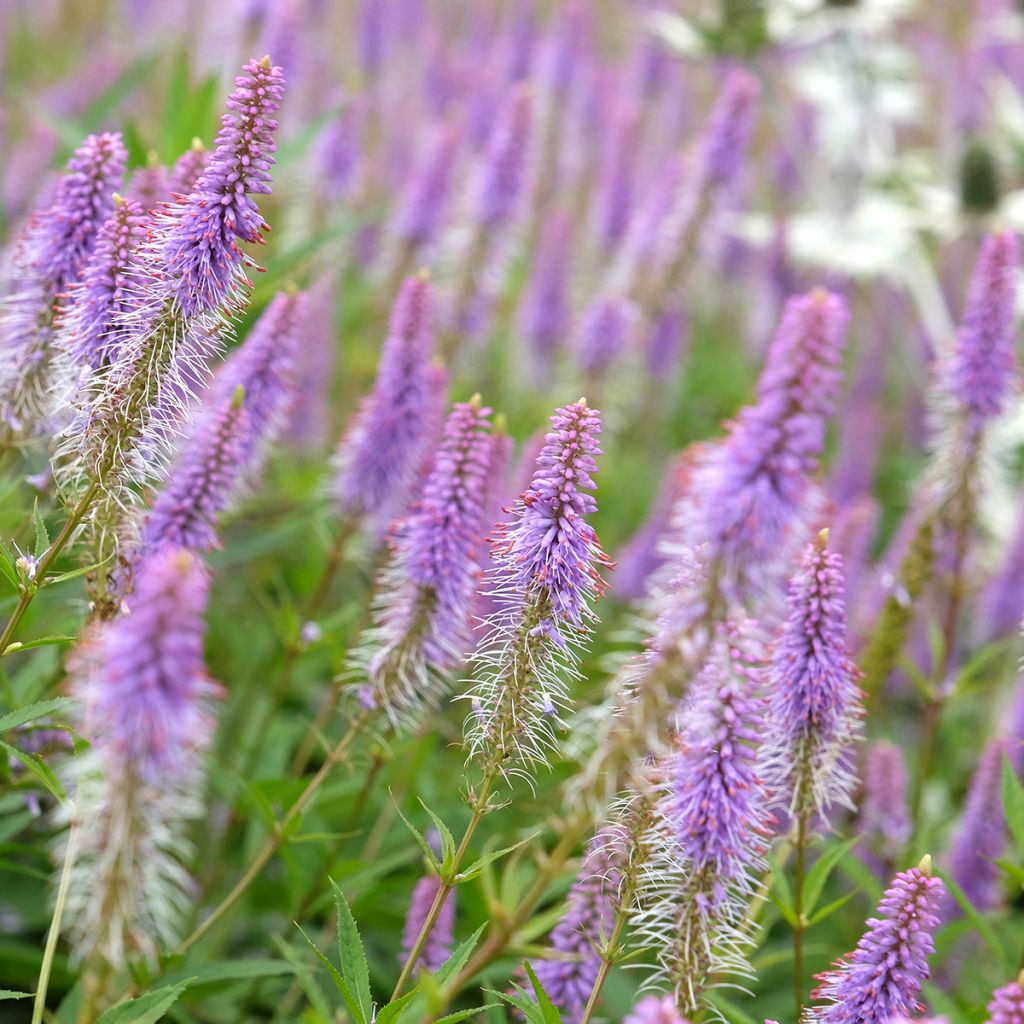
(475, 868)
(74, 573)
(830, 908)
(1013, 870)
(43, 641)
(394, 1011)
(233, 970)
(354, 968)
(547, 1008)
(816, 878)
(981, 925)
(526, 1006)
(307, 978)
(31, 712)
(1013, 803)
(39, 768)
(729, 1010)
(428, 850)
(147, 1009)
(42, 537)
(342, 986)
(7, 567)
(463, 1014)
(6, 993)
(454, 964)
(781, 895)
(447, 840)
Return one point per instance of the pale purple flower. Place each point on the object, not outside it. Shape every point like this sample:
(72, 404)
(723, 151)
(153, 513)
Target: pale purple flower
(980, 836)
(309, 425)
(725, 138)
(664, 343)
(814, 706)
(1001, 605)
(150, 185)
(588, 921)
(885, 811)
(756, 482)
(439, 942)
(545, 311)
(426, 195)
(1007, 1004)
(603, 334)
(205, 264)
(94, 326)
(202, 482)
(882, 977)
(655, 1010)
(379, 455)
(616, 185)
(187, 170)
(502, 179)
(982, 369)
(340, 150)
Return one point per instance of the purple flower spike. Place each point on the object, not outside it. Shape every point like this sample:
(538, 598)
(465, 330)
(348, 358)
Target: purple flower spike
(206, 264)
(202, 482)
(589, 919)
(549, 548)
(94, 327)
(886, 813)
(421, 625)
(340, 150)
(264, 368)
(882, 978)
(724, 143)
(379, 455)
(151, 680)
(502, 182)
(1007, 1005)
(981, 374)
(980, 837)
(756, 480)
(655, 1010)
(1002, 603)
(603, 335)
(616, 186)
(439, 942)
(425, 200)
(188, 169)
(61, 238)
(814, 707)
(544, 319)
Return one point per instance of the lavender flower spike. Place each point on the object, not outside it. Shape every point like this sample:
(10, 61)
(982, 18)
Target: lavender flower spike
(603, 334)
(203, 481)
(755, 485)
(422, 618)
(95, 326)
(983, 362)
(146, 695)
(501, 186)
(380, 453)
(814, 707)
(885, 811)
(882, 977)
(1007, 1005)
(50, 257)
(655, 1010)
(545, 574)
(439, 943)
(205, 263)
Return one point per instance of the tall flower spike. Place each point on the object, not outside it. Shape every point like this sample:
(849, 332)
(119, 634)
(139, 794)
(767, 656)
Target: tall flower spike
(544, 315)
(501, 186)
(603, 334)
(545, 575)
(814, 705)
(439, 942)
(264, 368)
(202, 482)
(422, 618)
(424, 202)
(205, 265)
(378, 456)
(1007, 1005)
(980, 837)
(188, 169)
(885, 810)
(714, 809)
(146, 695)
(981, 373)
(882, 977)
(50, 257)
(755, 485)
(94, 328)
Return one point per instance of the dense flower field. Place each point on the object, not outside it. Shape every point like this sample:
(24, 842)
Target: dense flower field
(570, 569)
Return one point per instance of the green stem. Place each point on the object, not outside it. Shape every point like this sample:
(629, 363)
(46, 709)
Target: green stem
(275, 841)
(51, 553)
(39, 1007)
(798, 911)
(608, 956)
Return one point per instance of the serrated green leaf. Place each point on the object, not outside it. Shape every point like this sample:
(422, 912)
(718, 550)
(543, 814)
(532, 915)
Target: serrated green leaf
(394, 1011)
(547, 1008)
(42, 536)
(31, 712)
(307, 979)
(451, 1018)
(818, 875)
(477, 866)
(982, 926)
(339, 982)
(526, 1006)
(7, 567)
(1013, 803)
(454, 964)
(427, 849)
(39, 768)
(354, 967)
(447, 840)
(146, 1009)
(74, 573)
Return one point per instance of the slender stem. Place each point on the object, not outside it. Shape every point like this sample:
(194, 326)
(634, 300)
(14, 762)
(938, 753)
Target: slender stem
(798, 912)
(608, 957)
(39, 1007)
(51, 553)
(446, 886)
(275, 841)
